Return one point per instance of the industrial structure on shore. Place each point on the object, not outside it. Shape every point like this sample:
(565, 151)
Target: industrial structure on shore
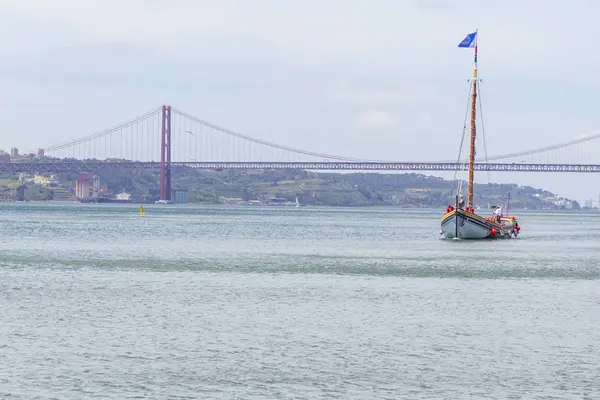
(91, 191)
(87, 189)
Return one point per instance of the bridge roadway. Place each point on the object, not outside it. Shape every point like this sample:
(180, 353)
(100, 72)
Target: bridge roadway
(90, 165)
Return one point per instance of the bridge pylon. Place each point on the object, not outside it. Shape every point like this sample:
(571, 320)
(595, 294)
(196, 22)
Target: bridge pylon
(165, 154)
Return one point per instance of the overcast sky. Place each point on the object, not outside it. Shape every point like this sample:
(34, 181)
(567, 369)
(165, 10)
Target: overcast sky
(376, 79)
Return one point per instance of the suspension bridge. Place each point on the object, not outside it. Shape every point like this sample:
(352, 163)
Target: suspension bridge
(169, 139)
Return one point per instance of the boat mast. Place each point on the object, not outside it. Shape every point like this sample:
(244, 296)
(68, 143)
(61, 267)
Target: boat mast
(473, 130)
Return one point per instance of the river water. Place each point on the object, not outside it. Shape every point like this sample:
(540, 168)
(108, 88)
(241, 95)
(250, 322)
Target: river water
(293, 303)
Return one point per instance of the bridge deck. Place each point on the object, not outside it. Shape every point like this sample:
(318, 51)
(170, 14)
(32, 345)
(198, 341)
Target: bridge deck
(57, 166)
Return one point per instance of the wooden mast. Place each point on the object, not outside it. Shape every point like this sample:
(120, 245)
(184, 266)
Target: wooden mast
(473, 130)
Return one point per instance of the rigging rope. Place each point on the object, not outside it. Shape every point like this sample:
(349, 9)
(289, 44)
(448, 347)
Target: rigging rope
(483, 134)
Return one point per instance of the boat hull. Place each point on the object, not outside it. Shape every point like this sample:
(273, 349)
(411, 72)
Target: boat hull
(464, 225)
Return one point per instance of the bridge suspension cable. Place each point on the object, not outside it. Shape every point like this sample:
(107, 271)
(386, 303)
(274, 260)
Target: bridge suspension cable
(341, 158)
(156, 112)
(97, 135)
(557, 146)
(263, 142)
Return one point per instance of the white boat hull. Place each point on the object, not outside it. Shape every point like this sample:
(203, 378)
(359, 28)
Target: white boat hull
(463, 225)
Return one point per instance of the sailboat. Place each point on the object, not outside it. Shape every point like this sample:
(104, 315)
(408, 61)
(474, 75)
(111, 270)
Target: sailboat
(460, 220)
(142, 212)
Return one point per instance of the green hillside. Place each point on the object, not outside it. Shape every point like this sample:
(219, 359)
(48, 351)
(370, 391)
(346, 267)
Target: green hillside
(332, 189)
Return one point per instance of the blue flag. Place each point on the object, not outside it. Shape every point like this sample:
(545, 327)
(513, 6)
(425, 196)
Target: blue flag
(468, 41)
(509, 195)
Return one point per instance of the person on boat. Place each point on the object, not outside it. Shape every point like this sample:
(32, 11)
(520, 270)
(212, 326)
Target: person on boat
(497, 213)
(461, 202)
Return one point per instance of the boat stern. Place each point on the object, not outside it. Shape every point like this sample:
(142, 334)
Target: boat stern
(504, 227)
(513, 225)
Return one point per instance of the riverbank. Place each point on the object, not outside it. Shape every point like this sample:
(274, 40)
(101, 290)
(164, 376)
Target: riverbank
(269, 187)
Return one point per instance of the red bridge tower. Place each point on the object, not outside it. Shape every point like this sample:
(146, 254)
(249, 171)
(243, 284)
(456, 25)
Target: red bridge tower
(165, 155)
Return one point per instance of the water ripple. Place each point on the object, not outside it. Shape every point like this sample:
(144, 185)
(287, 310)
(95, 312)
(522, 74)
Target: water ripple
(226, 302)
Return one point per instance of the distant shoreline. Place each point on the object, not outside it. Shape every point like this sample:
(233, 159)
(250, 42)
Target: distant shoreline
(280, 188)
(308, 206)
